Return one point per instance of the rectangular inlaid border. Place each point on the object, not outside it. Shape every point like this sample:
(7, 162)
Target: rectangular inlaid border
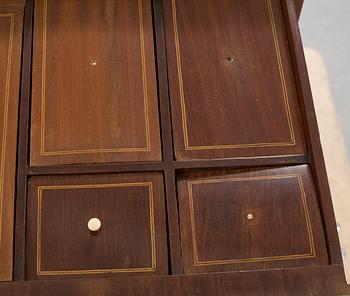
(6, 111)
(198, 263)
(182, 92)
(43, 96)
(153, 268)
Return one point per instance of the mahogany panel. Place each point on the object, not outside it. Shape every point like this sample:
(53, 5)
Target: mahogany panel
(132, 238)
(244, 220)
(231, 80)
(11, 22)
(94, 96)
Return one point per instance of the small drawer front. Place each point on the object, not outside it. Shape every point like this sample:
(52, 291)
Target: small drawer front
(88, 225)
(250, 220)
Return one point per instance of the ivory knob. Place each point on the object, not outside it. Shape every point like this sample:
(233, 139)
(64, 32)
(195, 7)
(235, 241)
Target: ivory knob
(250, 216)
(94, 224)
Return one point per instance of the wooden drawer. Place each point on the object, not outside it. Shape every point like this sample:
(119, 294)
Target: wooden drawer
(231, 80)
(131, 240)
(259, 219)
(94, 94)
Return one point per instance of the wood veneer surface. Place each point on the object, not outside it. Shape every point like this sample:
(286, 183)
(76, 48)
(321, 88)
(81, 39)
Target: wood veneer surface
(231, 80)
(94, 95)
(132, 238)
(10, 56)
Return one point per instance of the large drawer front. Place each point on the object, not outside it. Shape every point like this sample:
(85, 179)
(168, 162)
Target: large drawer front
(94, 96)
(131, 238)
(250, 220)
(231, 80)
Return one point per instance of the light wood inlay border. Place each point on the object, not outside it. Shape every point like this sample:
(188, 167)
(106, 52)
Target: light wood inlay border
(189, 147)
(196, 260)
(148, 148)
(153, 266)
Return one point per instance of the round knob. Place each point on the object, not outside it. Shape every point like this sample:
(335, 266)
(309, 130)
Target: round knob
(250, 216)
(94, 224)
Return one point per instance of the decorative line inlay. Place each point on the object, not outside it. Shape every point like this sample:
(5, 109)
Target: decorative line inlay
(6, 111)
(198, 263)
(188, 147)
(145, 95)
(152, 268)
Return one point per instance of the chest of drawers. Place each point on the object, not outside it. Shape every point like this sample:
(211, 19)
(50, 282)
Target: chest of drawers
(168, 145)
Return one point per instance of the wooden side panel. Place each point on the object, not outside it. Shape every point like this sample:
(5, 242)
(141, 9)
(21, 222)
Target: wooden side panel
(231, 80)
(94, 93)
(299, 6)
(257, 219)
(131, 240)
(312, 131)
(11, 20)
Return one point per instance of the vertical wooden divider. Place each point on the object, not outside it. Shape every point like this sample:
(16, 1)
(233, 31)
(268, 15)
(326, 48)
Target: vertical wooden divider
(167, 141)
(23, 151)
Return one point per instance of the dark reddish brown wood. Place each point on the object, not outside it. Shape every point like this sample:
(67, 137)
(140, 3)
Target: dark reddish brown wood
(11, 24)
(132, 239)
(288, 282)
(23, 144)
(249, 220)
(231, 80)
(167, 141)
(165, 165)
(311, 130)
(96, 168)
(241, 162)
(298, 6)
(12, 2)
(94, 97)
(296, 281)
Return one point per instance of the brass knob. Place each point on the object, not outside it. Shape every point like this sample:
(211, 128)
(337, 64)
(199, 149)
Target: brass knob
(230, 59)
(250, 216)
(94, 224)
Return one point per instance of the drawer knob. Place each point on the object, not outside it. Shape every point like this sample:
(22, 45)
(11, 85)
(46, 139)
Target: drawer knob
(230, 59)
(94, 224)
(250, 216)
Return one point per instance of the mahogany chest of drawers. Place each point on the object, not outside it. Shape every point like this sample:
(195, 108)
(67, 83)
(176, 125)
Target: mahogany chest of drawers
(160, 147)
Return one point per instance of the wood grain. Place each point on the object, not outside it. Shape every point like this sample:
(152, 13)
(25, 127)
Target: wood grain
(231, 80)
(285, 229)
(23, 144)
(12, 2)
(132, 239)
(11, 20)
(52, 169)
(287, 282)
(167, 141)
(311, 131)
(299, 6)
(94, 83)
